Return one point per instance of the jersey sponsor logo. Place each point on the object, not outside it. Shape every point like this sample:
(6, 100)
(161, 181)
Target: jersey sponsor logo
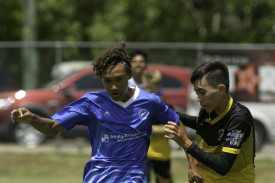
(143, 113)
(105, 138)
(235, 137)
(120, 137)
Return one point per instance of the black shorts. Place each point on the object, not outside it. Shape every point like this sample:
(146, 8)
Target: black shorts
(162, 168)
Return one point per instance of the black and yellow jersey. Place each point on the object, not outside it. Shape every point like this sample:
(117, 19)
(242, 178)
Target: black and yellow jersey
(225, 144)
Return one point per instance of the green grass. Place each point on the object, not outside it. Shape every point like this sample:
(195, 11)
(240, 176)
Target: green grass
(68, 168)
(42, 168)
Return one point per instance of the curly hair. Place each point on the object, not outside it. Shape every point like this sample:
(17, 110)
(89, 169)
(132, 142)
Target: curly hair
(112, 57)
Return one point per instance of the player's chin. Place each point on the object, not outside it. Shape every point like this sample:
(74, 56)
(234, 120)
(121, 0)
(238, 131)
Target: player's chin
(208, 110)
(116, 97)
(139, 70)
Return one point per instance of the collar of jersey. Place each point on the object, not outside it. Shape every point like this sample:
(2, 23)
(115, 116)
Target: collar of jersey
(219, 117)
(131, 100)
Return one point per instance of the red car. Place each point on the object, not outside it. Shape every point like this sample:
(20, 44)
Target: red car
(58, 93)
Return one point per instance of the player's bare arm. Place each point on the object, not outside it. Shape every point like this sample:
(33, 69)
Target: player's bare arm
(46, 126)
(158, 129)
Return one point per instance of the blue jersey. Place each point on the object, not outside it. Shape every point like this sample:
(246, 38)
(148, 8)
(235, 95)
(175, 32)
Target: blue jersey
(119, 133)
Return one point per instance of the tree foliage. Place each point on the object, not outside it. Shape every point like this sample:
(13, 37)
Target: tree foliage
(246, 21)
(206, 21)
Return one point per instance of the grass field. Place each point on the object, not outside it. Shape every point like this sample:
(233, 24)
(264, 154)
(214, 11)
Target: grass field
(68, 168)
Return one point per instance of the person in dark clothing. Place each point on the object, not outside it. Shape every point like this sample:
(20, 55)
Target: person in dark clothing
(225, 145)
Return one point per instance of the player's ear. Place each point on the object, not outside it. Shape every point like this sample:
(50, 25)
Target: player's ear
(222, 89)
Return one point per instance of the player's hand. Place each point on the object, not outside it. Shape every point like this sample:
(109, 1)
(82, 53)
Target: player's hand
(196, 179)
(178, 134)
(21, 115)
(173, 132)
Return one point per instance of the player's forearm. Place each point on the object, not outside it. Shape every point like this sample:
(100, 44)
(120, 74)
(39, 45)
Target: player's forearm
(220, 164)
(46, 126)
(192, 161)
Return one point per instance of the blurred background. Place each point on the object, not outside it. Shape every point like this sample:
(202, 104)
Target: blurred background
(45, 45)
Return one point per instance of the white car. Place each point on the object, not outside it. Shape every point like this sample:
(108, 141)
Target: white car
(67, 67)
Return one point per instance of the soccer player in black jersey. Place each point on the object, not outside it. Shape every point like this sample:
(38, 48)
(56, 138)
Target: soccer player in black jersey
(225, 145)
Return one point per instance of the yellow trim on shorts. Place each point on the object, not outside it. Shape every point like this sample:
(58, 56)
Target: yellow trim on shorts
(231, 150)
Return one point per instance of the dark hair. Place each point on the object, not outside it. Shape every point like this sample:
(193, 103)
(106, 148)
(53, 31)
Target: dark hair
(112, 57)
(139, 52)
(216, 73)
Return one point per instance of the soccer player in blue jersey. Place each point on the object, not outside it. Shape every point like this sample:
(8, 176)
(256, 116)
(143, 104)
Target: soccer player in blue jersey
(119, 121)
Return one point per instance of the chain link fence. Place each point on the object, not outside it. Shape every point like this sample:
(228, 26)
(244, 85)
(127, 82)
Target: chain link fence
(178, 54)
(50, 53)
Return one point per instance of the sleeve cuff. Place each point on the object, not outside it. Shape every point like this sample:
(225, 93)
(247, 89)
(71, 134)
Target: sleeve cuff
(191, 148)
